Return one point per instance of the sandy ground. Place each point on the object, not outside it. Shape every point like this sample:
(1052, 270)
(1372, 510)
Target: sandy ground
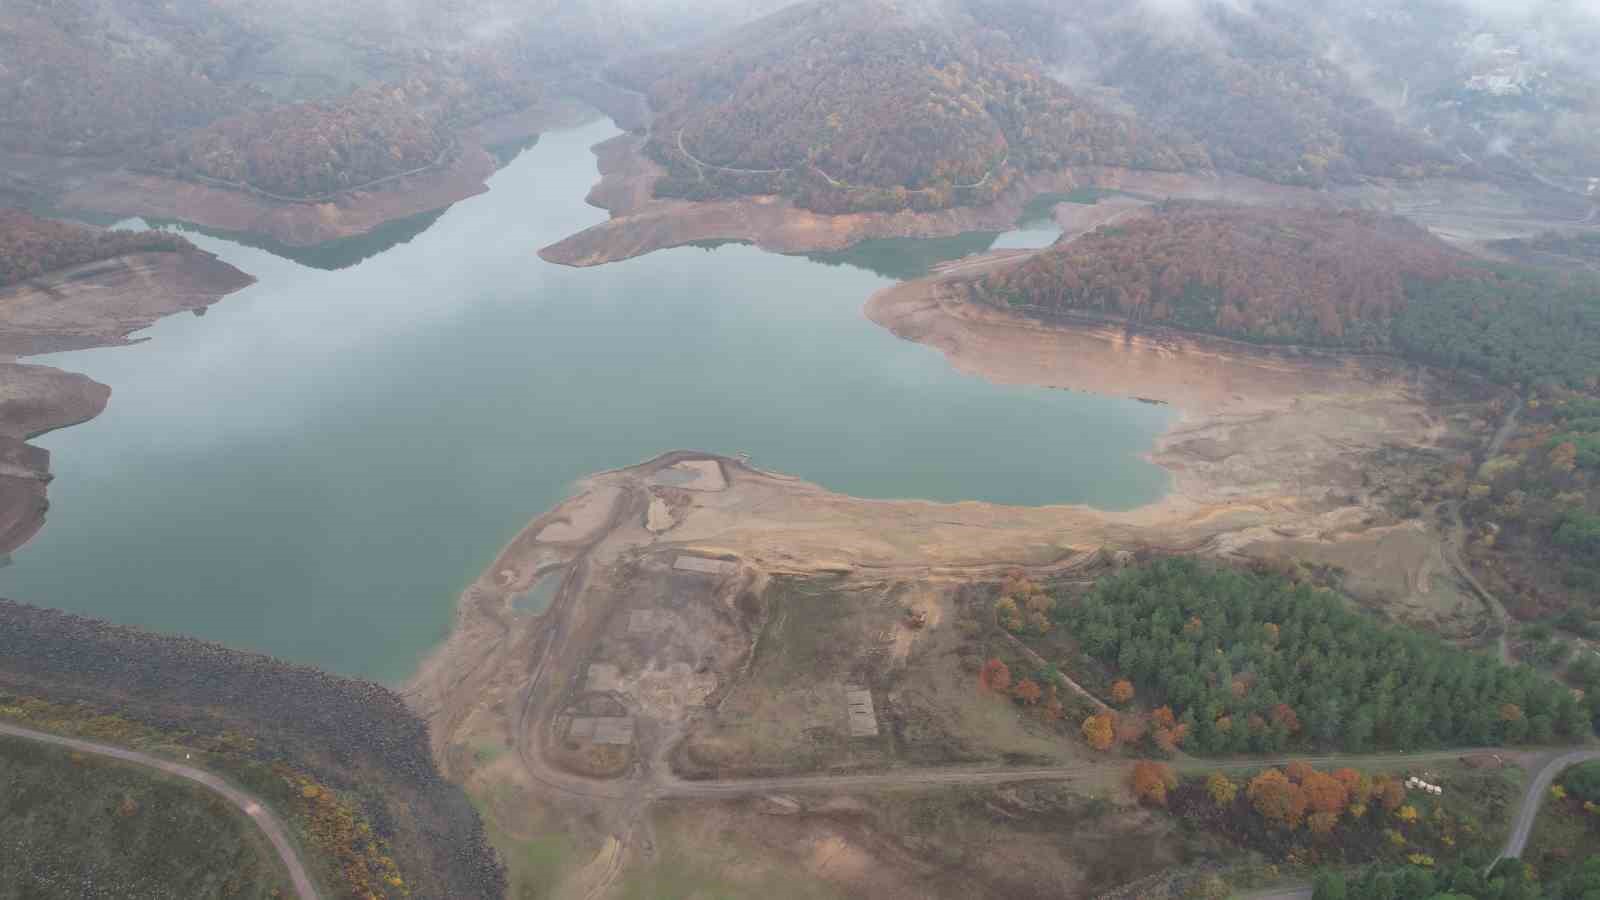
(1466, 212)
(94, 305)
(124, 193)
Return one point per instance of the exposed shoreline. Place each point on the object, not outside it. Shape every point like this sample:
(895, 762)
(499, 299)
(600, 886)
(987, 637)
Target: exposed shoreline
(96, 304)
(1465, 212)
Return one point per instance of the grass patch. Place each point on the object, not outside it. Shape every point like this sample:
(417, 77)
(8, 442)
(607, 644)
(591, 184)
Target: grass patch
(728, 871)
(78, 825)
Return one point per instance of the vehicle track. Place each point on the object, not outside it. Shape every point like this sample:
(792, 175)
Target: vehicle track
(250, 806)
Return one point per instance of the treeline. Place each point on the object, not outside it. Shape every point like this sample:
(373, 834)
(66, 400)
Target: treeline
(323, 146)
(1515, 325)
(284, 724)
(1255, 663)
(31, 246)
(1510, 879)
(1335, 278)
(849, 106)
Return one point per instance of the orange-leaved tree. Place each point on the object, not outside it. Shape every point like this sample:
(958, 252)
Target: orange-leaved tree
(1389, 792)
(1322, 822)
(996, 675)
(1121, 691)
(1100, 731)
(1325, 793)
(1277, 799)
(1152, 780)
(1028, 691)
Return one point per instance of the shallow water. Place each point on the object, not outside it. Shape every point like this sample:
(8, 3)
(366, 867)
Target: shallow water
(320, 464)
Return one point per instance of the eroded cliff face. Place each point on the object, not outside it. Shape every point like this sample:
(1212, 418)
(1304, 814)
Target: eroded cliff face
(93, 305)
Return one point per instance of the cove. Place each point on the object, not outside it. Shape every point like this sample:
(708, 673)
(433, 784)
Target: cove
(318, 466)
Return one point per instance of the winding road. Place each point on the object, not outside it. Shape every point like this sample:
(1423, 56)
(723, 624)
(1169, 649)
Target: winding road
(1533, 798)
(250, 806)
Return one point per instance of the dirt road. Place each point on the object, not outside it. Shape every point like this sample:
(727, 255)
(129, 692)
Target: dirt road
(255, 809)
(1533, 798)
(1457, 536)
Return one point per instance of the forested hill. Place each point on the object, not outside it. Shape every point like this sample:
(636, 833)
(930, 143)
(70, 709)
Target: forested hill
(69, 84)
(1302, 276)
(1332, 278)
(1264, 91)
(30, 246)
(849, 105)
(322, 146)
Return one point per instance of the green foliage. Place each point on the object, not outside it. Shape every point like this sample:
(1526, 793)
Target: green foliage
(1583, 781)
(1580, 532)
(1329, 678)
(1513, 325)
(81, 826)
(1510, 879)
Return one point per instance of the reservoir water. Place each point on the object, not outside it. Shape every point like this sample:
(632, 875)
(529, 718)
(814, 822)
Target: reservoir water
(319, 465)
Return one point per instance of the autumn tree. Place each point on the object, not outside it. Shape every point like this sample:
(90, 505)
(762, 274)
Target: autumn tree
(1121, 691)
(1324, 793)
(1100, 731)
(1052, 710)
(1564, 457)
(1007, 614)
(1027, 691)
(1285, 717)
(1162, 717)
(1322, 823)
(1222, 790)
(1152, 780)
(1131, 729)
(996, 676)
(1277, 799)
(1298, 770)
(1389, 792)
(1170, 739)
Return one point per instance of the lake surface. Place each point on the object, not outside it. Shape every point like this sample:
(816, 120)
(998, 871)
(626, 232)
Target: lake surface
(320, 464)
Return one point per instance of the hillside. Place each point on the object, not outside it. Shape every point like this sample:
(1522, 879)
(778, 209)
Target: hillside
(848, 106)
(1301, 276)
(344, 763)
(322, 146)
(1264, 89)
(81, 826)
(31, 246)
(73, 82)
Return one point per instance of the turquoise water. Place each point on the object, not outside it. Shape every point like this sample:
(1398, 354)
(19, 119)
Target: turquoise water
(320, 464)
